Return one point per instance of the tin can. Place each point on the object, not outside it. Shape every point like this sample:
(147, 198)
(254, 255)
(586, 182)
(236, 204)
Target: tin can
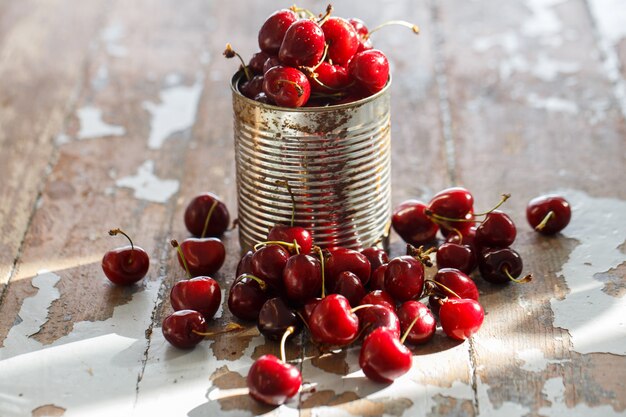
(336, 159)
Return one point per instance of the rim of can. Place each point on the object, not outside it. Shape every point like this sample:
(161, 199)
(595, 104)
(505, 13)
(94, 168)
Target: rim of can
(234, 82)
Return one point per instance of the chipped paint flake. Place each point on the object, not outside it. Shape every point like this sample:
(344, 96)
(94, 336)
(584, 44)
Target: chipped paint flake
(92, 126)
(176, 111)
(595, 320)
(534, 360)
(552, 104)
(148, 186)
(554, 390)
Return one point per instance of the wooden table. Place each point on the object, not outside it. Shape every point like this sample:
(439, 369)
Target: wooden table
(116, 113)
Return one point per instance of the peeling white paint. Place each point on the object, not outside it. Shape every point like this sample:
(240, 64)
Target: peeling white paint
(548, 69)
(535, 360)
(148, 186)
(543, 21)
(552, 104)
(92, 126)
(175, 112)
(62, 139)
(554, 390)
(596, 321)
(111, 37)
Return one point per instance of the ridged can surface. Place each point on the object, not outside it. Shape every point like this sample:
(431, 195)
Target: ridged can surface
(336, 160)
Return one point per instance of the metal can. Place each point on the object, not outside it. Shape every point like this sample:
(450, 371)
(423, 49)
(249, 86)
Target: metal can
(336, 160)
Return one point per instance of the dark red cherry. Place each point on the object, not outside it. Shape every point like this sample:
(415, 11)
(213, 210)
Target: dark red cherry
(449, 228)
(125, 265)
(466, 238)
(204, 256)
(370, 69)
(342, 40)
(272, 381)
(270, 62)
(383, 357)
(246, 298)
(308, 308)
(284, 233)
(181, 328)
(197, 212)
(268, 263)
(455, 280)
(330, 78)
(376, 256)
(424, 328)
(404, 278)
(273, 31)
(548, 214)
(496, 231)
(201, 294)
(412, 224)
(452, 255)
(286, 86)
(344, 259)
(371, 318)
(332, 322)
(350, 286)
(494, 263)
(303, 44)
(378, 278)
(252, 88)
(455, 203)
(302, 278)
(245, 264)
(461, 318)
(379, 297)
(257, 62)
(263, 98)
(275, 317)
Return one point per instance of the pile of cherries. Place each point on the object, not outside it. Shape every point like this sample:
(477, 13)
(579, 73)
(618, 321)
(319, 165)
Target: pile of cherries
(313, 61)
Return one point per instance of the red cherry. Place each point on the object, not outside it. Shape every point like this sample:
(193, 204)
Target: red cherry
(252, 88)
(246, 298)
(302, 278)
(449, 228)
(456, 281)
(466, 237)
(376, 256)
(257, 62)
(350, 286)
(359, 26)
(308, 308)
(203, 256)
(424, 328)
(378, 278)
(125, 265)
(383, 357)
(330, 78)
(497, 230)
(303, 44)
(461, 318)
(182, 327)
(370, 69)
(197, 213)
(548, 214)
(344, 259)
(275, 318)
(455, 203)
(376, 316)
(245, 264)
(501, 266)
(263, 98)
(268, 263)
(404, 278)
(273, 31)
(452, 255)
(410, 221)
(332, 322)
(272, 381)
(201, 294)
(286, 86)
(270, 62)
(342, 40)
(283, 233)
(379, 297)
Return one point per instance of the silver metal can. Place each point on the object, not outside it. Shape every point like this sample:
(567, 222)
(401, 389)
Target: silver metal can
(336, 160)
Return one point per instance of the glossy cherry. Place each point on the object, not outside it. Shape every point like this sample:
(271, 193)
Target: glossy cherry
(332, 322)
(275, 317)
(246, 297)
(268, 263)
(461, 318)
(270, 62)
(125, 265)
(344, 259)
(370, 69)
(548, 214)
(251, 88)
(182, 327)
(466, 236)
(379, 297)
(349, 285)
(501, 266)
(328, 78)
(342, 40)
(257, 62)
(273, 31)
(302, 278)
(203, 256)
(453, 255)
(284, 233)
(245, 264)
(201, 294)
(376, 256)
(383, 356)
(378, 278)
(197, 213)
(454, 202)
(375, 316)
(404, 278)
(286, 86)
(303, 44)
(424, 328)
(497, 231)
(453, 283)
(308, 308)
(410, 221)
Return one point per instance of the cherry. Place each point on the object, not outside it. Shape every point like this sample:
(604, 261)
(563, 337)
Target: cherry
(370, 69)
(291, 233)
(125, 265)
(328, 78)
(257, 62)
(201, 294)
(497, 230)
(383, 357)
(501, 265)
(342, 40)
(252, 88)
(302, 278)
(376, 316)
(303, 44)
(184, 328)
(455, 203)
(286, 86)
(359, 26)
(379, 297)
(457, 227)
(548, 214)
(273, 381)
(425, 325)
(452, 282)
(246, 297)
(268, 263)
(308, 308)
(332, 322)
(263, 98)
(410, 221)
(275, 317)
(206, 215)
(453, 255)
(378, 278)
(202, 256)
(465, 236)
(245, 264)
(273, 31)
(344, 259)
(349, 285)
(461, 318)
(270, 62)
(404, 278)
(376, 256)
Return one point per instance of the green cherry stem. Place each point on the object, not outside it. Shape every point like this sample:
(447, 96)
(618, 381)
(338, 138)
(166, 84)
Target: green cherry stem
(208, 217)
(502, 200)
(288, 245)
(404, 23)
(321, 255)
(522, 280)
(440, 285)
(361, 307)
(229, 52)
(230, 327)
(545, 221)
(408, 330)
(175, 244)
(115, 232)
(261, 283)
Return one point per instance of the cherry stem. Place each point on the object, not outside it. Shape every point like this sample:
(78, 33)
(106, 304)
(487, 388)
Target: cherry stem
(115, 232)
(324, 18)
(420, 254)
(321, 255)
(410, 25)
(289, 331)
(175, 244)
(442, 219)
(545, 220)
(297, 86)
(459, 234)
(285, 184)
(297, 9)
(502, 200)
(261, 283)
(361, 307)
(408, 330)
(230, 327)
(303, 319)
(523, 280)
(288, 245)
(440, 285)
(229, 52)
(208, 217)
